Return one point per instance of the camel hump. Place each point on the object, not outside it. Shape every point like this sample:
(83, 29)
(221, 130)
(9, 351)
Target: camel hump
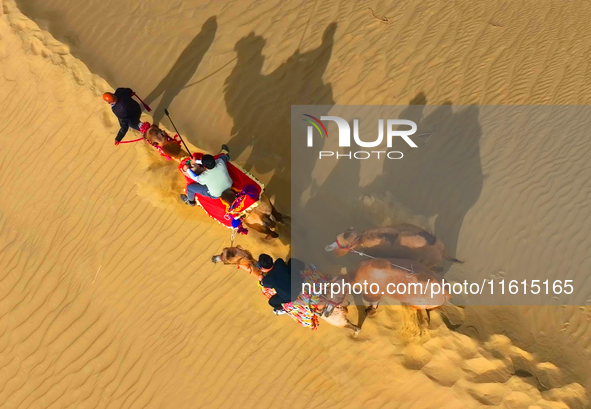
(407, 235)
(407, 229)
(431, 240)
(418, 240)
(380, 264)
(172, 149)
(413, 242)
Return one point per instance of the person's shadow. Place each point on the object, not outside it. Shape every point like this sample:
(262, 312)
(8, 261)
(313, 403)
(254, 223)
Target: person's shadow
(184, 68)
(260, 106)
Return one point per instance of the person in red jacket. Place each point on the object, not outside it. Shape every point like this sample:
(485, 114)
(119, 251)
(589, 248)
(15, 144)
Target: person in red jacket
(126, 109)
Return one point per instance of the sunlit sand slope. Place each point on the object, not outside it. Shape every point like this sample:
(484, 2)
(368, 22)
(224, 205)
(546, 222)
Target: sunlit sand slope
(107, 294)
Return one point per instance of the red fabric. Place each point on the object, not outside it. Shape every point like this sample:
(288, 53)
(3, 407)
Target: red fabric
(144, 104)
(135, 140)
(144, 127)
(214, 207)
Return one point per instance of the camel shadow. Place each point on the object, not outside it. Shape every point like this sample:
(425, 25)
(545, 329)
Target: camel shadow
(183, 70)
(442, 179)
(260, 106)
(439, 181)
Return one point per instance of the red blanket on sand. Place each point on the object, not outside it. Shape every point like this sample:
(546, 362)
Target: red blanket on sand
(240, 179)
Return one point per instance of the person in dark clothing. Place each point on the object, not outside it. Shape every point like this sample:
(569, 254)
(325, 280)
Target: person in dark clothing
(279, 276)
(126, 109)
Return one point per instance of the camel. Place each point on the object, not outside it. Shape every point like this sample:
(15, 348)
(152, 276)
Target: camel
(263, 218)
(403, 241)
(165, 144)
(332, 312)
(407, 281)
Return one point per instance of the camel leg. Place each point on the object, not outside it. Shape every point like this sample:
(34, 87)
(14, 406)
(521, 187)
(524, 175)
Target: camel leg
(276, 215)
(270, 234)
(270, 225)
(422, 319)
(372, 309)
(354, 327)
(268, 221)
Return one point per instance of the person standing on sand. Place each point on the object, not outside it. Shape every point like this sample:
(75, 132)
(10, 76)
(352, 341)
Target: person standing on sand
(279, 278)
(126, 109)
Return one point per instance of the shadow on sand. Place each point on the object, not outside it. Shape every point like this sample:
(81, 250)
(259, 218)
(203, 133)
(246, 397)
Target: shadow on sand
(440, 181)
(443, 179)
(260, 106)
(184, 69)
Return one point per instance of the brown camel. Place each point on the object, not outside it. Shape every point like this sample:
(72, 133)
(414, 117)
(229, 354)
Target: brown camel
(158, 138)
(406, 281)
(262, 218)
(332, 312)
(403, 241)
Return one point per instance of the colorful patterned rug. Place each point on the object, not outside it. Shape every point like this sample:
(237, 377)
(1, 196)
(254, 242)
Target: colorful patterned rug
(303, 308)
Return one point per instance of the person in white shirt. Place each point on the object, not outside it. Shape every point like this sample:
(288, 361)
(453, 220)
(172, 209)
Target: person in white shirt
(212, 181)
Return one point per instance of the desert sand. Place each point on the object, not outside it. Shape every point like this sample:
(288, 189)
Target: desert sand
(108, 298)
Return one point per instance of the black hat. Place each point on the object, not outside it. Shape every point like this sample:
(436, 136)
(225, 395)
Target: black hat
(265, 261)
(208, 161)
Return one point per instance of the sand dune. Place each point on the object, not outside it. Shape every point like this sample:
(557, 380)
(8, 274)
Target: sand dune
(107, 294)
